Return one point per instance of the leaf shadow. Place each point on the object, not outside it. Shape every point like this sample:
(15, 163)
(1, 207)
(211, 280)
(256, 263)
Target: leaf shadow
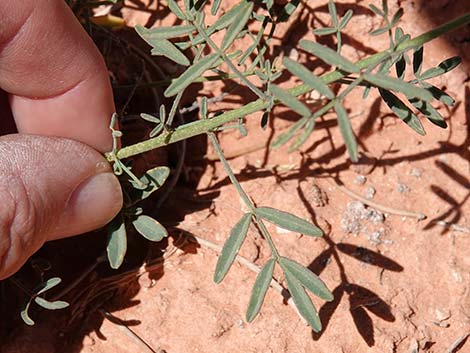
(369, 257)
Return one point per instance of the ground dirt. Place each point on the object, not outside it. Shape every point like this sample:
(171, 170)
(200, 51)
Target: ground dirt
(400, 285)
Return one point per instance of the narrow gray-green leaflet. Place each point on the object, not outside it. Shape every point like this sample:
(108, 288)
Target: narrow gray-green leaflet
(303, 302)
(402, 111)
(308, 77)
(117, 242)
(395, 84)
(50, 283)
(324, 31)
(149, 228)
(429, 112)
(286, 136)
(346, 131)
(153, 34)
(193, 72)
(231, 247)
(444, 67)
(345, 20)
(55, 305)
(237, 25)
(329, 56)
(259, 290)
(307, 278)
(215, 7)
(176, 9)
(289, 100)
(303, 136)
(25, 315)
(288, 221)
(333, 13)
(153, 179)
(163, 47)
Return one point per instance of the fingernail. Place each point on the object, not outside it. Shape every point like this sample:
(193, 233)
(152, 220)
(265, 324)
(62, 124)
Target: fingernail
(93, 204)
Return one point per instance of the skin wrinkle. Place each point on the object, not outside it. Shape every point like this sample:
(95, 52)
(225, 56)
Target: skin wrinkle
(20, 225)
(27, 48)
(35, 200)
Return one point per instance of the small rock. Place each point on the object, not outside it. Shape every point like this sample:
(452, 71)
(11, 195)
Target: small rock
(360, 180)
(374, 237)
(416, 172)
(375, 216)
(370, 192)
(319, 197)
(402, 188)
(357, 212)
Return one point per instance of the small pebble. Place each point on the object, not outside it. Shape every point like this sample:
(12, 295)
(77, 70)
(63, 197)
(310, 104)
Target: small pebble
(416, 172)
(360, 180)
(370, 192)
(402, 188)
(375, 237)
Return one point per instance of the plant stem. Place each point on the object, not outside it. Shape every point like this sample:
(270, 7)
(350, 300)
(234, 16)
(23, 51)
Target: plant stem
(227, 60)
(243, 195)
(203, 126)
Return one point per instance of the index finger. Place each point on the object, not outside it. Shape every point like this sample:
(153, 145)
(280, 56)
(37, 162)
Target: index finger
(57, 80)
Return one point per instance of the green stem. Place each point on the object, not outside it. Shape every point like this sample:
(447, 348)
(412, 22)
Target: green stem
(227, 60)
(203, 126)
(242, 193)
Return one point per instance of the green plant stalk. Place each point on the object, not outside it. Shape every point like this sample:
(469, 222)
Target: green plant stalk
(227, 60)
(203, 126)
(243, 194)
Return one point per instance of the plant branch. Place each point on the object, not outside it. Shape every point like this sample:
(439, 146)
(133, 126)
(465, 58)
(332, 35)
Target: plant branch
(243, 195)
(203, 126)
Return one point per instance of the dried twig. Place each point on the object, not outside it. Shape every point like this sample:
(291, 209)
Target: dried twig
(379, 207)
(121, 325)
(457, 344)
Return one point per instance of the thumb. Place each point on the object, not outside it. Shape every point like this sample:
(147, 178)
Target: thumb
(50, 188)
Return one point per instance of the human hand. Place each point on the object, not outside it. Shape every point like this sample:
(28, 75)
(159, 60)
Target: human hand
(57, 85)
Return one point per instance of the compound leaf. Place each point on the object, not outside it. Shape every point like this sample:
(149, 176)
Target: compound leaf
(190, 75)
(346, 131)
(329, 56)
(259, 290)
(149, 228)
(303, 302)
(231, 247)
(307, 278)
(288, 221)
